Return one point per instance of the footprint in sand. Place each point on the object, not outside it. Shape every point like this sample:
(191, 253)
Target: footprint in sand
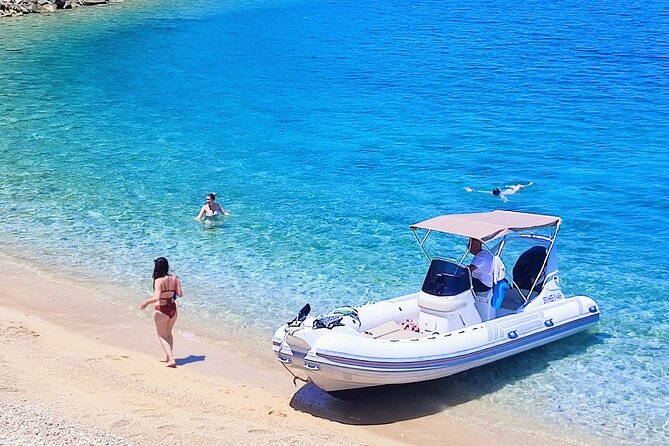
(15, 329)
(257, 431)
(117, 358)
(121, 423)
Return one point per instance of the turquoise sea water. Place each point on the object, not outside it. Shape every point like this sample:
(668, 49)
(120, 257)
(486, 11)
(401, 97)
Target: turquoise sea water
(327, 128)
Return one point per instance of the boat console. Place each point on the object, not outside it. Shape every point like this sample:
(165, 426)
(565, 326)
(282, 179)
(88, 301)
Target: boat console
(446, 300)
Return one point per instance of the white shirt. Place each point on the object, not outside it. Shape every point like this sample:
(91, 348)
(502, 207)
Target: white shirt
(483, 263)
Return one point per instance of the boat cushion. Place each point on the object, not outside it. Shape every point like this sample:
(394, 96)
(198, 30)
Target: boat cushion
(441, 304)
(384, 329)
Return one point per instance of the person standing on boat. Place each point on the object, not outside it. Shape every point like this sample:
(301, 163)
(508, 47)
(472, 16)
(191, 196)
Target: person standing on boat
(211, 208)
(166, 290)
(481, 266)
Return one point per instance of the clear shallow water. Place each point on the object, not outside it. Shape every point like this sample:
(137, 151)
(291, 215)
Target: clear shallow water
(328, 128)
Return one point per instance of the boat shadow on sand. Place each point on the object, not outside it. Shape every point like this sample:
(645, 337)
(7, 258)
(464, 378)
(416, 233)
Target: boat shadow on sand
(388, 404)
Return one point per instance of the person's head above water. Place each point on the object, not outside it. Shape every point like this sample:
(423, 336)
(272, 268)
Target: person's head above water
(211, 197)
(496, 191)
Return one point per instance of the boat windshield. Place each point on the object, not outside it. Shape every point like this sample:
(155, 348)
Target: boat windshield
(446, 278)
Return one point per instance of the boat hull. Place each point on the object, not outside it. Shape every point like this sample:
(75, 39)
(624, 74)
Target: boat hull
(341, 358)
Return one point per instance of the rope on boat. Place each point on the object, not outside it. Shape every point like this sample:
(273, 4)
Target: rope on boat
(295, 377)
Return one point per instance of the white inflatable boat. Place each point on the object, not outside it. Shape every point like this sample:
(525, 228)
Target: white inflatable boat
(446, 327)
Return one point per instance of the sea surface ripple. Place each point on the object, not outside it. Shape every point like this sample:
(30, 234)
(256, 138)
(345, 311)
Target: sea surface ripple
(327, 128)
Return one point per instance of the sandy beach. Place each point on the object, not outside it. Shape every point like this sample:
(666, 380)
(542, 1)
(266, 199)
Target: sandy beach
(80, 368)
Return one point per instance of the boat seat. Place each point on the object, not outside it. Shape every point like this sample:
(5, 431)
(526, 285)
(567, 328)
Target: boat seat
(528, 267)
(440, 304)
(384, 329)
(391, 329)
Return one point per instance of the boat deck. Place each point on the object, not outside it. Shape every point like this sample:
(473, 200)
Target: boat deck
(392, 330)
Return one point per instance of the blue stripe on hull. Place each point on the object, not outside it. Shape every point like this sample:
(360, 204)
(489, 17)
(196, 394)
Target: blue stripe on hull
(464, 358)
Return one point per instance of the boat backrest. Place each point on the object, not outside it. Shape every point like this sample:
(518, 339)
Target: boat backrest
(528, 267)
(387, 328)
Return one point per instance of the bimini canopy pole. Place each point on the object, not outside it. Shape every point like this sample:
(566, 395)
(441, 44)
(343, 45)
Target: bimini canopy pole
(543, 265)
(422, 242)
(500, 248)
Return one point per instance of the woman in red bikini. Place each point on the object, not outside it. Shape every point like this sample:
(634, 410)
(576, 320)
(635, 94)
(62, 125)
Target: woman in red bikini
(166, 289)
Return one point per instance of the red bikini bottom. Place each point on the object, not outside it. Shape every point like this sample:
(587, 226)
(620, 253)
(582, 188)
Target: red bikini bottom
(169, 309)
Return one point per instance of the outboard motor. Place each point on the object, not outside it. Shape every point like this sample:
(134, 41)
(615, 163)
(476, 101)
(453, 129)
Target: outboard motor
(301, 316)
(446, 300)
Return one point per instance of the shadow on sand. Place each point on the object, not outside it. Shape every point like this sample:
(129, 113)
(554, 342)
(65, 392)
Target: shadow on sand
(190, 358)
(388, 404)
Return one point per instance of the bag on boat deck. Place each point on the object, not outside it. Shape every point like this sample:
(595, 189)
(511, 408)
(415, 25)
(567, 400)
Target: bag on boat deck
(335, 317)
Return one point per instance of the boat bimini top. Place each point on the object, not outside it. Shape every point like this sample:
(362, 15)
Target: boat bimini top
(496, 226)
(487, 226)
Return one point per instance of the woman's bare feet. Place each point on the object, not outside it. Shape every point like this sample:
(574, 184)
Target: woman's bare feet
(172, 364)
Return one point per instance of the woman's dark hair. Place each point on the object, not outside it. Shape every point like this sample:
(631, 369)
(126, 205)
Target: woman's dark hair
(160, 269)
(496, 191)
(212, 196)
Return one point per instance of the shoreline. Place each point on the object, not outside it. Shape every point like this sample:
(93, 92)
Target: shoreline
(74, 351)
(10, 8)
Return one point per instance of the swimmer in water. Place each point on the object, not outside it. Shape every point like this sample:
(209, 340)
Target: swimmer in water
(510, 190)
(211, 208)
(503, 194)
